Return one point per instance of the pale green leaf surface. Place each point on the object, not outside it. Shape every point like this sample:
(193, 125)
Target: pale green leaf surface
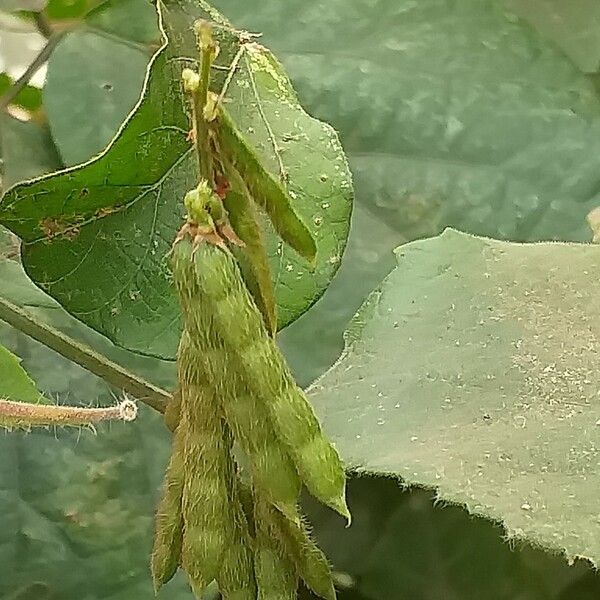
(111, 270)
(472, 370)
(452, 114)
(573, 26)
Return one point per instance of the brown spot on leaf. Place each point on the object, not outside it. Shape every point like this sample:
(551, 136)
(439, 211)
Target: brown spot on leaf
(52, 228)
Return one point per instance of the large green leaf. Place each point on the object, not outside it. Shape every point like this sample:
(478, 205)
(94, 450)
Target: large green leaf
(574, 26)
(120, 213)
(472, 370)
(452, 114)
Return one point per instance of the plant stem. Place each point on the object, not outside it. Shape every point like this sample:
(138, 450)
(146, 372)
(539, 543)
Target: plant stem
(208, 51)
(31, 70)
(19, 414)
(43, 25)
(84, 356)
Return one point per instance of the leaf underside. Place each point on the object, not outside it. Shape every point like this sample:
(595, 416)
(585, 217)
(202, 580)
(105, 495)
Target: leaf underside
(472, 370)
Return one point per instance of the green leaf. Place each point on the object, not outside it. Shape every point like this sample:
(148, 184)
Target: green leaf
(15, 384)
(402, 546)
(18, 289)
(95, 75)
(27, 151)
(130, 20)
(573, 26)
(472, 370)
(119, 214)
(452, 114)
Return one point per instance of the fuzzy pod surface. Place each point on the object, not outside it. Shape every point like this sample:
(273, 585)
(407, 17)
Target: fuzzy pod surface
(212, 285)
(168, 535)
(276, 574)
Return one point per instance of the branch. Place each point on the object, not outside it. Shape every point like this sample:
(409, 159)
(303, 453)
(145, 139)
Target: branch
(31, 70)
(84, 356)
(24, 414)
(43, 24)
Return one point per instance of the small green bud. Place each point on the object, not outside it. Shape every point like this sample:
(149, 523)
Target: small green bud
(211, 107)
(204, 33)
(197, 202)
(191, 80)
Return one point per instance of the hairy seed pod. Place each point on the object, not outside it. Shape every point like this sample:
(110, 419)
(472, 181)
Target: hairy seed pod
(266, 190)
(219, 291)
(272, 467)
(169, 520)
(316, 459)
(273, 471)
(252, 258)
(236, 578)
(206, 499)
(276, 575)
(310, 562)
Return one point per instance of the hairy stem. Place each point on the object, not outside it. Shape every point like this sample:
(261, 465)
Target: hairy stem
(208, 51)
(18, 414)
(84, 356)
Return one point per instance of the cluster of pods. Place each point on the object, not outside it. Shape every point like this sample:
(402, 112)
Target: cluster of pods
(245, 441)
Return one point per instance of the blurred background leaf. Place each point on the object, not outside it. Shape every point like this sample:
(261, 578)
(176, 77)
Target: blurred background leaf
(16, 5)
(453, 114)
(403, 545)
(573, 26)
(95, 76)
(27, 150)
(471, 370)
(15, 384)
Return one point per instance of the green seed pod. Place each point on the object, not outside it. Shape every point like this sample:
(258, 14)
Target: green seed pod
(310, 562)
(206, 499)
(276, 575)
(316, 459)
(169, 520)
(266, 190)
(273, 471)
(236, 577)
(218, 290)
(252, 259)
